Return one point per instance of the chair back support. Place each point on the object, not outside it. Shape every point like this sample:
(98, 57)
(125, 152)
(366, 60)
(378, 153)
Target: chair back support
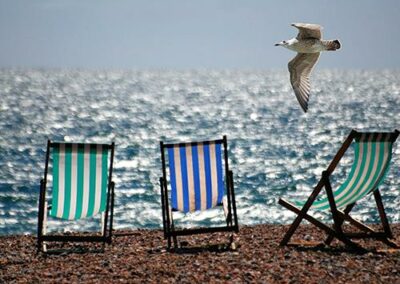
(372, 155)
(80, 180)
(196, 175)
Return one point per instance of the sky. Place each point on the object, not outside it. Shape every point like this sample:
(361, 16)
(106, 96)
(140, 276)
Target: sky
(192, 34)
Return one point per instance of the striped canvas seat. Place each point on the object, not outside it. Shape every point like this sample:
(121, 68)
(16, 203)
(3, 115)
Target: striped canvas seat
(80, 178)
(80, 186)
(372, 155)
(196, 176)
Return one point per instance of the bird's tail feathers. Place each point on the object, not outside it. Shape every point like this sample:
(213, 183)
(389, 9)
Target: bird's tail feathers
(332, 44)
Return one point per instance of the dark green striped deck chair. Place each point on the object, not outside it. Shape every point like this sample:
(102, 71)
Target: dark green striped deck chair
(80, 187)
(196, 177)
(372, 156)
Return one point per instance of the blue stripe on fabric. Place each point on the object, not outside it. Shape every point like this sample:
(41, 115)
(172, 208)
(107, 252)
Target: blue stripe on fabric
(207, 169)
(184, 174)
(196, 177)
(171, 161)
(219, 172)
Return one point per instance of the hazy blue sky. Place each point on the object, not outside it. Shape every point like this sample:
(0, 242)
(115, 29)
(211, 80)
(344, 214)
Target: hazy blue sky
(192, 33)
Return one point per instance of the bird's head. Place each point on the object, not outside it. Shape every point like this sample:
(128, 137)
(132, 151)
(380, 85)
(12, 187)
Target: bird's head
(282, 43)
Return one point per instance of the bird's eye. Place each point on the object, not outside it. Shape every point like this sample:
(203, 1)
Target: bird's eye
(284, 41)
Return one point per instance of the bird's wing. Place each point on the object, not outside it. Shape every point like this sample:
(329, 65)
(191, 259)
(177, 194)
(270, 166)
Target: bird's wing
(308, 31)
(300, 68)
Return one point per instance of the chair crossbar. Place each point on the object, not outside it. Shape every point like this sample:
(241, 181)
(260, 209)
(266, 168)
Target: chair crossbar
(196, 177)
(82, 187)
(372, 155)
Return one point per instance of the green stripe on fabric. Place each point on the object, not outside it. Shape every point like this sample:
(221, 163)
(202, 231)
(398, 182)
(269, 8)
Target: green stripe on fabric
(352, 171)
(361, 190)
(92, 180)
(384, 164)
(80, 177)
(67, 181)
(323, 204)
(104, 179)
(356, 191)
(350, 192)
(56, 160)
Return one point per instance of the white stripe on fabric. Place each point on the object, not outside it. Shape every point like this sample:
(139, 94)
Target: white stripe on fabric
(371, 182)
(189, 166)
(61, 181)
(202, 176)
(354, 177)
(99, 166)
(386, 155)
(350, 184)
(178, 179)
(357, 189)
(74, 181)
(86, 179)
(367, 184)
(214, 176)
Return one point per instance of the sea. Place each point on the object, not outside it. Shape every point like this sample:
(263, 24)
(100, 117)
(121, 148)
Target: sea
(275, 150)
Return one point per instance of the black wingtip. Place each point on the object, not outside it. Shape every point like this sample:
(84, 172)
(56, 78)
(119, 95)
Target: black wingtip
(338, 44)
(304, 106)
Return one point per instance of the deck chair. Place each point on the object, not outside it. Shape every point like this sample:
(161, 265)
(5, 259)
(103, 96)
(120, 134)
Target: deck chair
(372, 155)
(195, 181)
(81, 187)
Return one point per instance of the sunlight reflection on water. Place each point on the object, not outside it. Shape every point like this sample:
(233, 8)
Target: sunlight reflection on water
(274, 149)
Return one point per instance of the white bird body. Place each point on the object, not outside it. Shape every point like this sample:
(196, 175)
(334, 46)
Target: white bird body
(308, 45)
(305, 46)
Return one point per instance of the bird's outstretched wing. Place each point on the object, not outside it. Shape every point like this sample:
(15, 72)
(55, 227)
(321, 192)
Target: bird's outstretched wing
(308, 31)
(300, 68)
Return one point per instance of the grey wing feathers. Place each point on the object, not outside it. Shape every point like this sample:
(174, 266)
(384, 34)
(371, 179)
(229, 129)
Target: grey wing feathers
(300, 68)
(308, 31)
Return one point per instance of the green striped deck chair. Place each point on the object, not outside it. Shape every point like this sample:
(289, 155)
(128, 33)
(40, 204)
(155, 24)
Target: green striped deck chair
(81, 187)
(193, 180)
(372, 156)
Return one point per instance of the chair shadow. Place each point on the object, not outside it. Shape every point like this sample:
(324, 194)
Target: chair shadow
(73, 250)
(321, 247)
(215, 248)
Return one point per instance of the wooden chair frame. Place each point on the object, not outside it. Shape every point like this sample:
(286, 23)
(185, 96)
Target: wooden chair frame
(170, 232)
(108, 214)
(339, 217)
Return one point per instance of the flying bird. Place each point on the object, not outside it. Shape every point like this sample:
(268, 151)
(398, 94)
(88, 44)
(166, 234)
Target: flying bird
(308, 45)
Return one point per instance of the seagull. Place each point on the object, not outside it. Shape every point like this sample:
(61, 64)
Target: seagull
(308, 45)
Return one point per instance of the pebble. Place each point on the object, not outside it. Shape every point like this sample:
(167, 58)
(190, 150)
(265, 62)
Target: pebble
(256, 257)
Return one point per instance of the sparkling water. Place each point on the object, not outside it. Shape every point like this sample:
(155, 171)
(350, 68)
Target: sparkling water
(274, 149)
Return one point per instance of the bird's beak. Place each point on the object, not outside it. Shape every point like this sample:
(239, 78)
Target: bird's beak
(279, 43)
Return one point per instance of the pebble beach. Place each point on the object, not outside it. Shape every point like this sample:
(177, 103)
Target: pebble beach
(141, 256)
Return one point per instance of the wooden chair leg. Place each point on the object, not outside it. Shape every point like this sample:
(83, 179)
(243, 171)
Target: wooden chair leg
(301, 214)
(338, 221)
(175, 239)
(382, 214)
(322, 226)
(346, 211)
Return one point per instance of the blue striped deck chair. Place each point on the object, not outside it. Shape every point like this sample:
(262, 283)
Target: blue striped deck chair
(372, 156)
(80, 187)
(196, 177)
